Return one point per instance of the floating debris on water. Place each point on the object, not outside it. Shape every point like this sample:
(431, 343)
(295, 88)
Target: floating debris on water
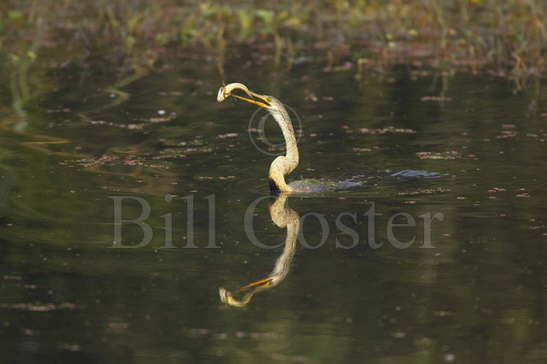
(436, 98)
(381, 131)
(450, 155)
(40, 307)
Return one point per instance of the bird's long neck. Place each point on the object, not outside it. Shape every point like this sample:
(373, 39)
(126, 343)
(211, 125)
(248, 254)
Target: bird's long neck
(283, 165)
(284, 217)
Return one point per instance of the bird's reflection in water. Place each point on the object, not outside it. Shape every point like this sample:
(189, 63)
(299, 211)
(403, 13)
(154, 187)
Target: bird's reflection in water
(284, 217)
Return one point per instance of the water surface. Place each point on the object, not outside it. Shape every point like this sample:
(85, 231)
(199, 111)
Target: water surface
(472, 291)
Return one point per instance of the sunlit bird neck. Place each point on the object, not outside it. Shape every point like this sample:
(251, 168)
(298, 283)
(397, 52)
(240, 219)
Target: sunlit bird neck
(284, 164)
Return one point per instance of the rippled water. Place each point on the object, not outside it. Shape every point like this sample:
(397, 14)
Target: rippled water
(460, 160)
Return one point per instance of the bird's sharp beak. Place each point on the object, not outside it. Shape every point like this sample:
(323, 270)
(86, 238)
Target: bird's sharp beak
(257, 100)
(254, 98)
(260, 102)
(260, 283)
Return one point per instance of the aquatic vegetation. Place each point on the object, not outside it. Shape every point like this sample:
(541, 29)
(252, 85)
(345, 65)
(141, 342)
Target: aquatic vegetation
(509, 38)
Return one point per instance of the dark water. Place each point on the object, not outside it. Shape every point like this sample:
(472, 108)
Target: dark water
(471, 288)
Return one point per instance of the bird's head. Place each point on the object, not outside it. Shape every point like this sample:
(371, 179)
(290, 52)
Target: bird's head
(269, 103)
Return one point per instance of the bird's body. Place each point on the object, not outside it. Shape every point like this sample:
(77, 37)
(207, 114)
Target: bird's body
(283, 164)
